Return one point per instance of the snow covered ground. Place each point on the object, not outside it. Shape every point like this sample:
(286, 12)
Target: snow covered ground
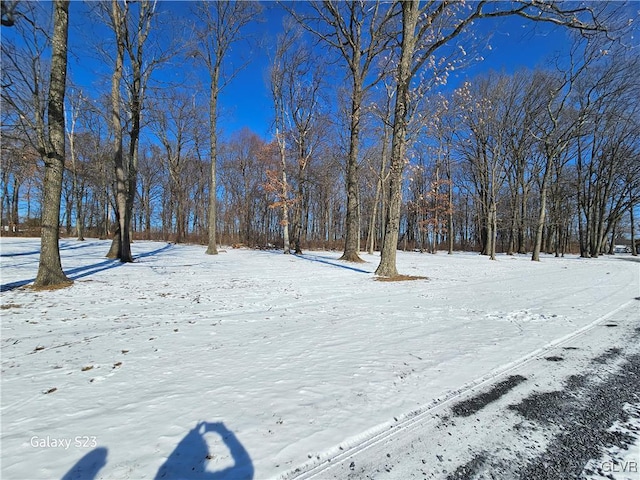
(253, 364)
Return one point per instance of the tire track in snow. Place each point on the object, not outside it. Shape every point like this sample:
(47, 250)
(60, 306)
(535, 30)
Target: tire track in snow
(403, 424)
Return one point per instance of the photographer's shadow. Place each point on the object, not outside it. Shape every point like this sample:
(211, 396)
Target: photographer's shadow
(88, 466)
(191, 455)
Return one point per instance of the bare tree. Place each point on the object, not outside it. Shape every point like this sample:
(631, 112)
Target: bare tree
(222, 24)
(359, 32)
(174, 121)
(150, 170)
(483, 151)
(383, 111)
(98, 157)
(24, 101)
(632, 204)
(607, 136)
(242, 177)
(38, 108)
(444, 126)
(426, 29)
(77, 104)
(50, 268)
(121, 246)
(19, 169)
(554, 134)
(9, 12)
(298, 80)
(132, 25)
(519, 93)
(277, 85)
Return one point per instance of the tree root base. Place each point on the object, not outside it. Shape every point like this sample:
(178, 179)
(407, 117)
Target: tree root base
(351, 257)
(53, 286)
(400, 278)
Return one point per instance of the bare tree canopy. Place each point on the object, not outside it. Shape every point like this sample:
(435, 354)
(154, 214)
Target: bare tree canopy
(8, 13)
(370, 128)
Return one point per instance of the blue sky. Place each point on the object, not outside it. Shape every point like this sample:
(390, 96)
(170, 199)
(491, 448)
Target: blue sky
(514, 43)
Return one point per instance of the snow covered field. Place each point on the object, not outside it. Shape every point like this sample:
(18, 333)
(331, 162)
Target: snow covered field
(251, 364)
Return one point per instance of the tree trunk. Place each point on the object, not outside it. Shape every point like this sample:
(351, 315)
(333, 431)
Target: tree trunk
(134, 137)
(612, 246)
(634, 252)
(371, 237)
(297, 216)
(387, 266)
(436, 207)
(120, 247)
(50, 268)
(493, 222)
(353, 221)
(15, 202)
(77, 191)
(79, 210)
(582, 229)
(285, 218)
(513, 204)
(379, 188)
(212, 249)
(147, 211)
(68, 197)
(4, 201)
(284, 193)
(542, 212)
(450, 232)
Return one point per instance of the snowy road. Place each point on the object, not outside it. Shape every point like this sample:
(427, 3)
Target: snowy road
(547, 416)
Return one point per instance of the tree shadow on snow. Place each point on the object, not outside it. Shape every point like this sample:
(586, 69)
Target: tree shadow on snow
(76, 244)
(629, 259)
(6, 287)
(168, 246)
(87, 270)
(88, 466)
(330, 261)
(81, 272)
(320, 259)
(62, 246)
(72, 274)
(19, 254)
(190, 458)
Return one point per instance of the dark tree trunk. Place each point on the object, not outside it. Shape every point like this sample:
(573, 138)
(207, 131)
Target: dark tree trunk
(79, 210)
(121, 245)
(212, 249)
(353, 221)
(387, 266)
(50, 268)
(634, 251)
